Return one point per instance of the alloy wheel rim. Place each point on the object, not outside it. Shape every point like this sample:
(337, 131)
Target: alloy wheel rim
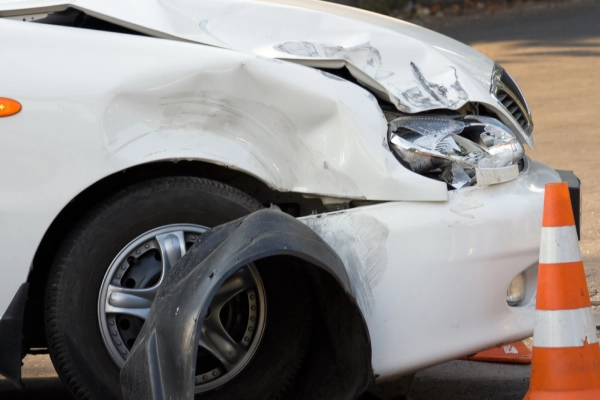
(232, 329)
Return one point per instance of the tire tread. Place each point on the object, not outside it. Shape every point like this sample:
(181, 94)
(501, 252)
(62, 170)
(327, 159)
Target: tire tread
(57, 345)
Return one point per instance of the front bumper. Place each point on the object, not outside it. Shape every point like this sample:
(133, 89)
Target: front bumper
(431, 277)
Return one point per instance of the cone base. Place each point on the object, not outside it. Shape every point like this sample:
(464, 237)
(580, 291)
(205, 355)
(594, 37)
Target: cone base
(514, 353)
(590, 394)
(523, 360)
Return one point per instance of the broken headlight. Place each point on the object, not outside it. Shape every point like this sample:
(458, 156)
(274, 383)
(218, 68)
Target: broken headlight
(461, 150)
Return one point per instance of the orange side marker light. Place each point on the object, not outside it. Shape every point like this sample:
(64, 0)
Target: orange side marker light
(9, 107)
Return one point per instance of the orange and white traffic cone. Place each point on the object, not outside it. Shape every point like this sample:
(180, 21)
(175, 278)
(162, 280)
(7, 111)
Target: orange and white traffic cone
(566, 355)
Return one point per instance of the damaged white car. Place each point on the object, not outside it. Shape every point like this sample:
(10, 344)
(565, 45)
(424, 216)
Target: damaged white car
(129, 128)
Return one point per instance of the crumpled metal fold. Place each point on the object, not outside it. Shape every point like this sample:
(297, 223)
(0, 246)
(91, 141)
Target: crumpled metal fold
(456, 145)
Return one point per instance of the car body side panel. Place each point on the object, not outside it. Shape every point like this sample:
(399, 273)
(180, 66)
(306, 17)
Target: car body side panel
(431, 278)
(96, 103)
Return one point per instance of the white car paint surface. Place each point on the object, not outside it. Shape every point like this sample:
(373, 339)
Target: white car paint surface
(430, 270)
(426, 264)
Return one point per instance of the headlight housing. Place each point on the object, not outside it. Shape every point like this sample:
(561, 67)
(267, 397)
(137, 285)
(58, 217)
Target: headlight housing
(461, 150)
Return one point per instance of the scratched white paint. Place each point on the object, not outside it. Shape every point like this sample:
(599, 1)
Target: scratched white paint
(443, 280)
(360, 241)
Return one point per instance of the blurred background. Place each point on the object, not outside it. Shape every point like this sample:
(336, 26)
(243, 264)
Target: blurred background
(422, 9)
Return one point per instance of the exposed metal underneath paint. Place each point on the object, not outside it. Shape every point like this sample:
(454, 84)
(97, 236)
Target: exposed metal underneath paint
(429, 95)
(442, 90)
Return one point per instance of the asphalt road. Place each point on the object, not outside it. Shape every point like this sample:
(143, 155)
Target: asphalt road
(460, 380)
(554, 54)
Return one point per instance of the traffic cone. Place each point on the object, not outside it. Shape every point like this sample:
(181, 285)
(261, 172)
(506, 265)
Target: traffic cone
(566, 355)
(514, 353)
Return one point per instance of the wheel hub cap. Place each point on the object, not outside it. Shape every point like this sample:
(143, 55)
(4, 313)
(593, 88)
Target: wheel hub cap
(232, 328)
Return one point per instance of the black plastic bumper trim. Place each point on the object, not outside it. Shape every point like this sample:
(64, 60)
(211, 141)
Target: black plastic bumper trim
(575, 191)
(11, 337)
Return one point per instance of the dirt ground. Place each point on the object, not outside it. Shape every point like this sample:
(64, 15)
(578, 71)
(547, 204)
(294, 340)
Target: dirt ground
(553, 51)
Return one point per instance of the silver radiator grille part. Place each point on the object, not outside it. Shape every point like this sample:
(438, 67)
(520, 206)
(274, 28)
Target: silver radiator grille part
(507, 93)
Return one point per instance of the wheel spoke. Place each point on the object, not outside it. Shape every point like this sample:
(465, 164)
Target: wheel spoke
(215, 339)
(135, 302)
(237, 283)
(172, 248)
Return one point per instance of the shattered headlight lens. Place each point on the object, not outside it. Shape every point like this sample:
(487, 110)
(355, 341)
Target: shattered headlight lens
(462, 150)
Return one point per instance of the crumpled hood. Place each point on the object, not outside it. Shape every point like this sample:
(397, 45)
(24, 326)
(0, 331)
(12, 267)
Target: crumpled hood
(416, 69)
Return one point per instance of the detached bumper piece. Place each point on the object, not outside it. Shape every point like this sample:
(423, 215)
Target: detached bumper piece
(575, 193)
(162, 362)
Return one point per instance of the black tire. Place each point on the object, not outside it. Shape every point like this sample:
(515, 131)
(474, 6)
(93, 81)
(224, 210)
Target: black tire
(75, 343)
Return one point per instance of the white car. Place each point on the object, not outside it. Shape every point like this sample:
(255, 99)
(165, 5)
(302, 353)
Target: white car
(130, 127)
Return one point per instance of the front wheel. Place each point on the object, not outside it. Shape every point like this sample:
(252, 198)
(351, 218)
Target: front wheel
(108, 270)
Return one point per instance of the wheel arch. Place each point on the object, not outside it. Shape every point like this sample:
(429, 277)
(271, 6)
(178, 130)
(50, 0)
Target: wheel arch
(83, 202)
(340, 338)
